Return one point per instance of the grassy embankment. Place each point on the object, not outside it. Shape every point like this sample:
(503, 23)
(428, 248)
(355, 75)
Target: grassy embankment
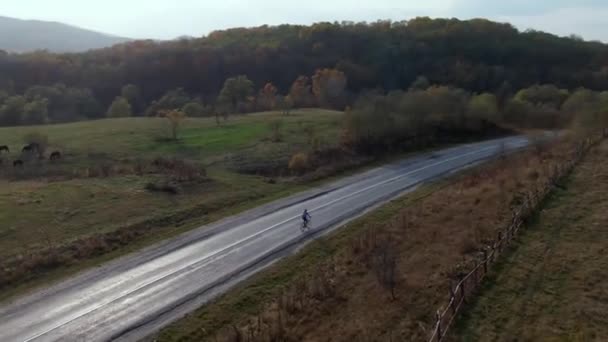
(382, 276)
(98, 187)
(552, 285)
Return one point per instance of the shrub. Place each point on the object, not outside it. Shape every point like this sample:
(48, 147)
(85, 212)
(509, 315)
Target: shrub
(180, 170)
(162, 187)
(299, 163)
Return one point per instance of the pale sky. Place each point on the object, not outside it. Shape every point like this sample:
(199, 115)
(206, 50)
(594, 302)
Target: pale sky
(165, 19)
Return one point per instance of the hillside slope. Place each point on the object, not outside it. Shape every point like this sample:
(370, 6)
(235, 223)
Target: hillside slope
(27, 35)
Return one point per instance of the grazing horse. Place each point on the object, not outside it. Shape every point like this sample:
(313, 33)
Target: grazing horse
(4, 149)
(55, 156)
(18, 163)
(33, 147)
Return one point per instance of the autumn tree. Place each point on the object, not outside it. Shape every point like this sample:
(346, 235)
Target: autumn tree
(301, 92)
(174, 118)
(120, 108)
(236, 90)
(267, 98)
(299, 163)
(329, 88)
(285, 104)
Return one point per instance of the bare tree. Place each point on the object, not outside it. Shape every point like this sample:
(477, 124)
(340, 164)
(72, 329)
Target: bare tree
(385, 266)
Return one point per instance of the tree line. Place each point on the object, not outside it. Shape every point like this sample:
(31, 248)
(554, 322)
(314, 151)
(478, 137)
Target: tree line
(238, 70)
(58, 103)
(425, 116)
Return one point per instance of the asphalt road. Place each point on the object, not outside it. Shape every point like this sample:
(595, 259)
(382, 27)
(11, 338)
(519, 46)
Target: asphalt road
(134, 295)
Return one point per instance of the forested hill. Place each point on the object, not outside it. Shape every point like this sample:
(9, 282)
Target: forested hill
(476, 55)
(29, 35)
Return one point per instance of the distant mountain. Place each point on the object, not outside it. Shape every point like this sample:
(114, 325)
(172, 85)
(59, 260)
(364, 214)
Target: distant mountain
(27, 35)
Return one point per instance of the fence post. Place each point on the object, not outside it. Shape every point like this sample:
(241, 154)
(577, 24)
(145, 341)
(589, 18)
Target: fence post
(485, 261)
(439, 332)
(476, 270)
(499, 242)
(452, 300)
(463, 290)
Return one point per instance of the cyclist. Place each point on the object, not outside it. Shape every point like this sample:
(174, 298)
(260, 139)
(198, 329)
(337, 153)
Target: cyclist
(305, 218)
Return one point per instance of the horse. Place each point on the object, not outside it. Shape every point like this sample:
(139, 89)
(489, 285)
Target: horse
(55, 156)
(18, 163)
(33, 147)
(4, 148)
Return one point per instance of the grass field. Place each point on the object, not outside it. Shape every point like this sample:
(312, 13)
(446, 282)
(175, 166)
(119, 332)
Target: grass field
(552, 287)
(200, 139)
(44, 205)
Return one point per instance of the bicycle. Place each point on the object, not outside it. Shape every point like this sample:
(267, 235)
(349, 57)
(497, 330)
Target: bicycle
(305, 226)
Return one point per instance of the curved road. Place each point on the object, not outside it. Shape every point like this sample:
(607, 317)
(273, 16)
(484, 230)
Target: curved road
(134, 295)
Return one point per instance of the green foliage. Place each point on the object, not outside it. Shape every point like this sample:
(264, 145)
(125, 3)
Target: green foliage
(120, 108)
(173, 99)
(36, 112)
(174, 118)
(517, 112)
(543, 95)
(588, 110)
(414, 118)
(478, 56)
(236, 91)
(580, 101)
(66, 103)
(3, 96)
(11, 111)
(132, 93)
(421, 83)
(194, 109)
(483, 107)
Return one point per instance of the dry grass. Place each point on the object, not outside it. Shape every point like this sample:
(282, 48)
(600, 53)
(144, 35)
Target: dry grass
(552, 286)
(385, 282)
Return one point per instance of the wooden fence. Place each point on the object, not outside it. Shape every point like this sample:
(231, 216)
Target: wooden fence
(468, 285)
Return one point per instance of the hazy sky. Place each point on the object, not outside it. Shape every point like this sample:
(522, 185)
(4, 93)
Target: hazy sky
(172, 18)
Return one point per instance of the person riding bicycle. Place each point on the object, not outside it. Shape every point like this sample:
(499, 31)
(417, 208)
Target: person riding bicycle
(306, 218)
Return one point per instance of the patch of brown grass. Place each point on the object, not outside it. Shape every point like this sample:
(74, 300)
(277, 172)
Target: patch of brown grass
(552, 286)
